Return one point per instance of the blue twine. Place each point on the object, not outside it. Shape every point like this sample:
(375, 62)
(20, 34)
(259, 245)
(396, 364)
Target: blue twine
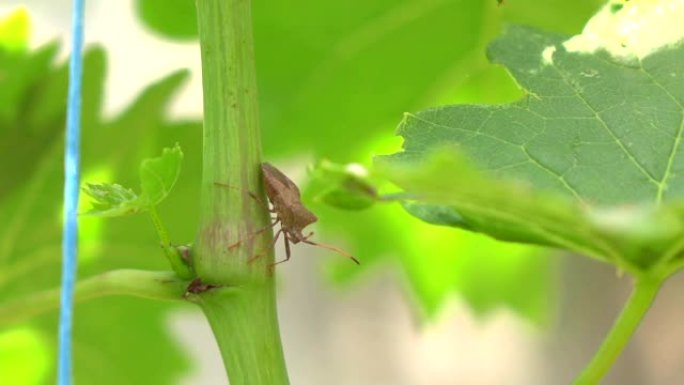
(71, 188)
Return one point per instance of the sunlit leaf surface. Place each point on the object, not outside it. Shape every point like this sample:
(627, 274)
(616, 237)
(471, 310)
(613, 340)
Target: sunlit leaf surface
(600, 133)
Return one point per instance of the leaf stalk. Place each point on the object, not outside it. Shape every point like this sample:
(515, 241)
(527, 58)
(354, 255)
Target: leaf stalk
(160, 285)
(641, 299)
(172, 254)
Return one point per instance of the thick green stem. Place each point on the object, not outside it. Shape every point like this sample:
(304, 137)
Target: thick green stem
(244, 322)
(624, 327)
(232, 144)
(164, 285)
(238, 292)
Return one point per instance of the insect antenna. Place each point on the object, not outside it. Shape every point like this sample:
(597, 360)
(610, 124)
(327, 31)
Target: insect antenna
(254, 234)
(332, 248)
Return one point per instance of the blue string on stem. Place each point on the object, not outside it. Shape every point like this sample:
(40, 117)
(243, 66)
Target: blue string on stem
(71, 187)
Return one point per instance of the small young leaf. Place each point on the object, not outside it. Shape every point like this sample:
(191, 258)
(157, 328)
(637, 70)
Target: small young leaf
(346, 186)
(112, 200)
(158, 175)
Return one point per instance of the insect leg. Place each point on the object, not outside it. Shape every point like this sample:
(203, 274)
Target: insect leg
(251, 194)
(261, 202)
(275, 239)
(254, 234)
(287, 252)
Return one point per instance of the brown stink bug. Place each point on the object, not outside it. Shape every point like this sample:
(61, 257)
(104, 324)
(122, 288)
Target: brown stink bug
(290, 213)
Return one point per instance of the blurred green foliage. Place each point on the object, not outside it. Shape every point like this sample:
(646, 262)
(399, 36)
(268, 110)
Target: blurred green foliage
(114, 337)
(334, 79)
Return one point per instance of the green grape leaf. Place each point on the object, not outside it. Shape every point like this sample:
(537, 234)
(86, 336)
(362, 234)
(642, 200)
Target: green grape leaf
(593, 130)
(591, 127)
(508, 210)
(112, 200)
(158, 175)
(633, 237)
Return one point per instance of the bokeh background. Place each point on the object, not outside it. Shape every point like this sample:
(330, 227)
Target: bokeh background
(429, 305)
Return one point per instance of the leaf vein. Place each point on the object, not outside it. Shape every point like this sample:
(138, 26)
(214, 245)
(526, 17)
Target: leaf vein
(662, 185)
(603, 123)
(560, 177)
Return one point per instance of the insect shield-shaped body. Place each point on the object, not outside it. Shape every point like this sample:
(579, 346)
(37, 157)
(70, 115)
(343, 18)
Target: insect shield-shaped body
(287, 203)
(289, 211)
